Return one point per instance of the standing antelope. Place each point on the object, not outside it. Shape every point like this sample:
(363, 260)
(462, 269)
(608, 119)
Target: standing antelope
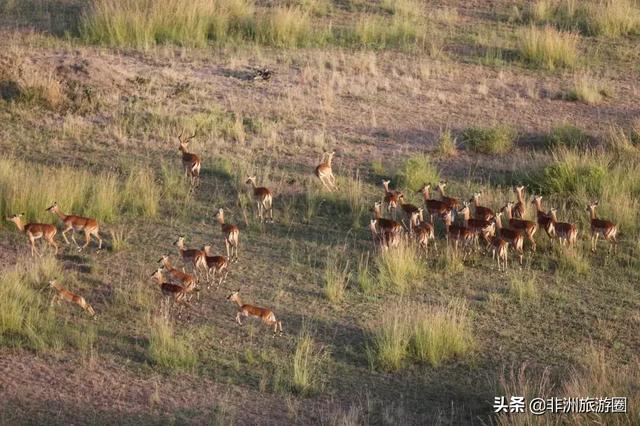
(384, 237)
(324, 171)
(528, 227)
(478, 226)
(35, 231)
(512, 236)
(187, 281)
(499, 246)
(565, 232)
(63, 293)
(391, 198)
(231, 235)
(177, 292)
(452, 203)
(267, 316)
(387, 225)
(520, 208)
(190, 162)
(543, 219)
(481, 212)
(193, 256)
(434, 207)
(423, 232)
(216, 265)
(410, 210)
(458, 234)
(607, 229)
(263, 198)
(77, 223)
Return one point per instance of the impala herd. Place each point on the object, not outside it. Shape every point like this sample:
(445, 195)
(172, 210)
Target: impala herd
(466, 224)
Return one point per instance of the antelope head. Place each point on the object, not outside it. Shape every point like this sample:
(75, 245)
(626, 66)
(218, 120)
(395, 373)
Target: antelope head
(53, 207)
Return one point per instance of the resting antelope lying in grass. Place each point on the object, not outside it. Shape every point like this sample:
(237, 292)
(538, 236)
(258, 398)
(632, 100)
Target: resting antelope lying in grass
(174, 291)
(324, 171)
(263, 198)
(543, 219)
(435, 208)
(391, 198)
(190, 162)
(35, 231)
(231, 235)
(266, 315)
(565, 232)
(452, 203)
(514, 237)
(481, 212)
(193, 256)
(215, 265)
(74, 223)
(528, 227)
(63, 293)
(187, 281)
(607, 229)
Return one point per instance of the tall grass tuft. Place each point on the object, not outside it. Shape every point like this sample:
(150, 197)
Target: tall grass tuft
(523, 288)
(416, 171)
(447, 144)
(285, 27)
(336, 276)
(307, 364)
(489, 140)
(364, 276)
(549, 48)
(399, 268)
(168, 350)
(588, 89)
(141, 193)
(390, 340)
(567, 136)
(353, 191)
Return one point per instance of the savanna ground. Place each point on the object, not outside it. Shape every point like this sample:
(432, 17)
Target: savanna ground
(415, 92)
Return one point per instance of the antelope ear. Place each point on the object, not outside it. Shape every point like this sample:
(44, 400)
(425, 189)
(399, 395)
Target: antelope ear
(596, 203)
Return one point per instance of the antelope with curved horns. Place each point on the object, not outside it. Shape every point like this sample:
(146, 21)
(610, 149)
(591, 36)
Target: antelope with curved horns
(231, 235)
(607, 229)
(187, 281)
(267, 316)
(543, 219)
(565, 232)
(177, 292)
(520, 208)
(434, 207)
(215, 265)
(63, 293)
(481, 212)
(263, 198)
(74, 223)
(190, 162)
(390, 198)
(528, 227)
(324, 171)
(193, 256)
(35, 231)
(512, 236)
(451, 202)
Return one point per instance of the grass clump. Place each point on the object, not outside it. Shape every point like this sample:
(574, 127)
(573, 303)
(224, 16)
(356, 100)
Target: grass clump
(364, 276)
(549, 48)
(567, 136)
(573, 175)
(588, 90)
(447, 144)
(489, 140)
(168, 350)
(307, 364)
(336, 276)
(390, 341)
(570, 261)
(399, 268)
(286, 27)
(416, 171)
(21, 81)
(522, 288)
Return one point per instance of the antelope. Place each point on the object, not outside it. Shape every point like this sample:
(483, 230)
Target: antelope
(499, 246)
(324, 171)
(74, 223)
(391, 198)
(263, 198)
(458, 234)
(63, 293)
(607, 229)
(386, 225)
(231, 235)
(409, 210)
(452, 203)
(193, 256)
(565, 232)
(216, 265)
(481, 212)
(386, 238)
(267, 316)
(543, 219)
(520, 208)
(528, 227)
(177, 292)
(187, 281)
(512, 236)
(35, 231)
(478, 226)
(434, 207)
(423, 232)
(190, 162)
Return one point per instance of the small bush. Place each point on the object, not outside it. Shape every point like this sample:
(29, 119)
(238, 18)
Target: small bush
(336, 276)
(548, 48)
(573, 179)
(168, 350)
(308, 362)
(489, 140)
(567, 136)
(446, 144)
(399, 268)
(416, 171)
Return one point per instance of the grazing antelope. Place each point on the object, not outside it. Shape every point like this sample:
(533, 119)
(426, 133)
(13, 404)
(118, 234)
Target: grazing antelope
(263, 198)
(565, 232)
(231, 235)
(452, 203)
(410, 210)
(423, 232)
(187, 281)
(177, 292)
(193, 256)
(324, 171)
(190, 162)
(607, 229)
(63, 293)
(77, 223)
(528, 227)
(434, 207)
(458, 234)
(499, 247)
(520, 208)
(481, 212)
(543, 219)
(267, 316)
(514, 237)
(391, 198)
(216, 265)
(35, 231)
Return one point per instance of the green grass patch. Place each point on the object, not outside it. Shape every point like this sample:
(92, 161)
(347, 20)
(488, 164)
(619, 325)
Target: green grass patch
(416, 171)
(336, 275)
(548, 48)
(567, 136)
(308, 362)
(399, 268)
(168, 350)
(489, 140)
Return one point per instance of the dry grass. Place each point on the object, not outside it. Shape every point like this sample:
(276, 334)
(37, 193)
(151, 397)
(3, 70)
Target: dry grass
(309, 360)
(22, 81)
(168, 350)
(399, 268)
(549, 48)
(588, 89)
(447, 144)
(336, 275)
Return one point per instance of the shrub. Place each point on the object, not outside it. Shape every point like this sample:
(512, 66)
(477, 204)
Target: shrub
(399, 268)
(573, 178)
(336, 276)
(308, 362)
(168, 350)
(416, 171)
(548, 48)
(489, 140)
(567, 136)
